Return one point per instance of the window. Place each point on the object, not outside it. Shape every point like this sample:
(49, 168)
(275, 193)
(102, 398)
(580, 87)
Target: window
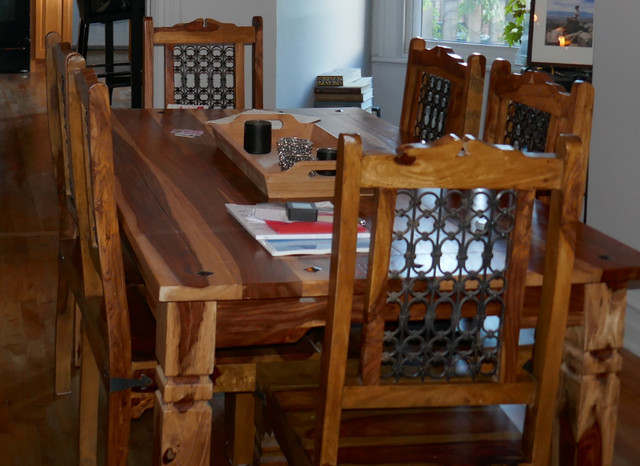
(474, 21)
(466, 26)
(395, 22)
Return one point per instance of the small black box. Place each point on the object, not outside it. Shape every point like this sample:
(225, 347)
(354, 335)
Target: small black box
(302, 211)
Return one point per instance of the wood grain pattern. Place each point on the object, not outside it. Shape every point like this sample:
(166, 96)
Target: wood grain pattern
(590, 388)
(170, 216)
(177, 433)
(300, 181)
(240, 406)
(105, 316)
(65, 135)
(48, 16)
(556, 289)
(440, 167)
(200, 168)
(41, 428)
(568, 113)
(337, 394)
(204, 180)
(185, 345)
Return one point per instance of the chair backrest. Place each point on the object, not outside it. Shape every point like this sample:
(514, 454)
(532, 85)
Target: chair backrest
(442, 93)
(107, 323)
(529, 111)
(204, 63)
(61, 62)
(62, 65)
(444, 289)
(105, 316)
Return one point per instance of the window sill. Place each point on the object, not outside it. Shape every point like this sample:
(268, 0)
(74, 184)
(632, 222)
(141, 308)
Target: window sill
(491, 52)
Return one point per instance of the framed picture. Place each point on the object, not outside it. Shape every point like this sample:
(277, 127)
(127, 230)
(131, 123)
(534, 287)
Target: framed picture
(561, 33)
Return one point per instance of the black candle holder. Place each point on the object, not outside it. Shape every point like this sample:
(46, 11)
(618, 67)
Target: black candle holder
(257, 136)
(326, 153)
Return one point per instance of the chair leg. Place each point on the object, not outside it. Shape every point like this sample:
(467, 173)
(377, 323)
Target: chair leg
(108, 55)
(239, 411)
(83, 38)
(65, 306)
(89, 394)
(77, 339)
(118, 427)
(258, 433)
(118, 417)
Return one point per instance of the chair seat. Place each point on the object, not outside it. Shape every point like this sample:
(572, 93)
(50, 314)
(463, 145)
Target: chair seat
(458, 435)
(235, 368)
(235, 375)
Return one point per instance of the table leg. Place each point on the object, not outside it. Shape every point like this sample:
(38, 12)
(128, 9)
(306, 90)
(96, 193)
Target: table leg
(185, 349)
(590, 387)
(239, 409)
(137, 15)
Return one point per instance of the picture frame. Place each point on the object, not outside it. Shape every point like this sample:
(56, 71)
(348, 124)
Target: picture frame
(561, 33)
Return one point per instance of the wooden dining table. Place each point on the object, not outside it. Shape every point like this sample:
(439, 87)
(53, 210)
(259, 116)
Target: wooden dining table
(211, 285)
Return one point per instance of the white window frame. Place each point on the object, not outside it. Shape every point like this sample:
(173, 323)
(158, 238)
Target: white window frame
(396, 21)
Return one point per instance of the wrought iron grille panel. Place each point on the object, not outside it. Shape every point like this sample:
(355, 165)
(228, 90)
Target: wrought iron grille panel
(454, 248)
(435, 93)
(527, 128)
(205, 75)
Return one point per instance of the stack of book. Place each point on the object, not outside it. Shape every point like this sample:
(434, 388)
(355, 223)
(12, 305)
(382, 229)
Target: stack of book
(344, 87)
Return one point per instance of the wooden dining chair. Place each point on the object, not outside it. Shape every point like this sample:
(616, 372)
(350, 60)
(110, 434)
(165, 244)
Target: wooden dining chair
(122, 341)
(529, 111)
(439, 348)
(66, 137)
(61, 63)
(118, 328)
(204, 63)
(442, 93)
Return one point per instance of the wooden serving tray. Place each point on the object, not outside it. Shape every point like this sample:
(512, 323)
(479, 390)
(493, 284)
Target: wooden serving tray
(299, 182)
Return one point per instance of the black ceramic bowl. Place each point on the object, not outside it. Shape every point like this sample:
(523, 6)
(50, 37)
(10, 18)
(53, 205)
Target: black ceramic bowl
(325, 153)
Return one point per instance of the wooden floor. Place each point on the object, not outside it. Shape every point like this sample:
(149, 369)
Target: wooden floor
(37, 427)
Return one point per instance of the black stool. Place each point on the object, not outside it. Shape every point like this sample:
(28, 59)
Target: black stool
(106, 12)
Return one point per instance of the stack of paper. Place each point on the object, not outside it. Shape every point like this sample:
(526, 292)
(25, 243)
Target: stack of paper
(268, 224)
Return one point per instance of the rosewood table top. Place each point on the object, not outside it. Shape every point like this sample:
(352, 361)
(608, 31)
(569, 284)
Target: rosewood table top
(171, 197)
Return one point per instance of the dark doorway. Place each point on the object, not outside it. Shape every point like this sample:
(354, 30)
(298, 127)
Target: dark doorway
(15, 41)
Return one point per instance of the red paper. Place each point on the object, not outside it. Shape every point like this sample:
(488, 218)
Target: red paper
(304, 227)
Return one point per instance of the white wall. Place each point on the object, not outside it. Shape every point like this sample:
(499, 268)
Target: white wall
(614, 189)
(170, 12)
(315, 37)
(302, 38)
